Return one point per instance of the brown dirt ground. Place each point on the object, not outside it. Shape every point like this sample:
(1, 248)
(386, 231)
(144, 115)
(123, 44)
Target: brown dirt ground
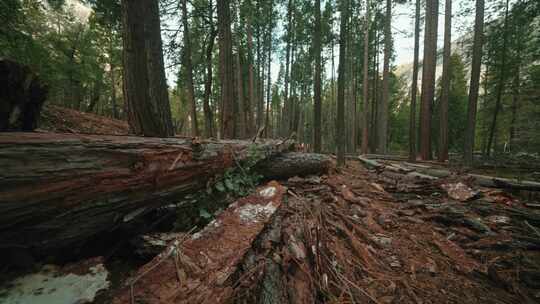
(361, 244)
(64, 120)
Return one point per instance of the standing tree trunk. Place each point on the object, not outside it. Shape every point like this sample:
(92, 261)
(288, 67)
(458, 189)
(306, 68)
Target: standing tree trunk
(209, 129)
(515, 101)
(317, 135)
(252, 101)
(475, 81)
(285, 117)
(340, 127)
(500, 85)
(428, 77)
(443, 107)
(157, 81)
(268, 76)
(113, 78)
(382, 130)
(375, 93)
(365, 85)
(145, 89)
(240, 88)
(414, 86)
(226, 69)
(188, 66)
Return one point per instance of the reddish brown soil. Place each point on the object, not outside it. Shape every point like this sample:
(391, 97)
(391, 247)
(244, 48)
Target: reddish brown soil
(363, 244)
(343, 238)
(64, 120)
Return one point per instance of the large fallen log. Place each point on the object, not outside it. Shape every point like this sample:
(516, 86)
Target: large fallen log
(60, 190)
(202, 268)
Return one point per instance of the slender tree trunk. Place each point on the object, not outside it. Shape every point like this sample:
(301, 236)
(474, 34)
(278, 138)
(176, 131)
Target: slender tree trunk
(317, 120)
(251, 103)
(209, 130)
(292, 92)
(188, 66)
(475, 81)
(226, 69)
(428, 77)
(240, 89)
(145, 90)
(375, 98)
(383, 110)
(414, 86)
(340, 128)
(260, 64)
(500, 85)
(365, 85)
(268, 78)
(515, 101)
(483, 109)
(113, 79)
(285, 117)
(443, 106)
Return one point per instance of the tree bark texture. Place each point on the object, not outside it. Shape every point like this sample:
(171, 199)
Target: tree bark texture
(443, 106)
(428, 77)
(365, 85)
(145, 87)
(317, 119)
(340, 128)
(294, 164)
(382, 130)
(188, 67)
(414, 86)
(226, 69)
(60, 190)
(209, 129)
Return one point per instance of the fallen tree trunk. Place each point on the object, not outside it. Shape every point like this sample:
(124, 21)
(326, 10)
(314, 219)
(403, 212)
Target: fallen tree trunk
(59, 190)
(428, 172)
(294, 164)
(203, 267)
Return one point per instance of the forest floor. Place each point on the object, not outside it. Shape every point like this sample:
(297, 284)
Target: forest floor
(64, 120)
(350, 236)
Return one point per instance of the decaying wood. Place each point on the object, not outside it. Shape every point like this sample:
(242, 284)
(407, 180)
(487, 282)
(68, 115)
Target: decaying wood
(294, 164)
(201, 269)
(59, 190)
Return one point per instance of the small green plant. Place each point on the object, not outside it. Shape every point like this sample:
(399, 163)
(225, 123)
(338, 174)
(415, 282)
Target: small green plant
(236, 182)
(241, 179)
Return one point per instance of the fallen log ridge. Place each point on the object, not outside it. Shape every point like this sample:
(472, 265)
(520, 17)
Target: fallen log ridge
(201, 269)
(59, 190)
(294, 164)
(428, 172)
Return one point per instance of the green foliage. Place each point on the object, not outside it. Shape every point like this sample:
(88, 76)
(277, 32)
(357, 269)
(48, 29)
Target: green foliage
(72, 55)
(235, 182)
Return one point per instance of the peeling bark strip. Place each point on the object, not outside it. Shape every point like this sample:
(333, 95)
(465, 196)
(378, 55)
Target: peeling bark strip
(200, 270)
(59, 190)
